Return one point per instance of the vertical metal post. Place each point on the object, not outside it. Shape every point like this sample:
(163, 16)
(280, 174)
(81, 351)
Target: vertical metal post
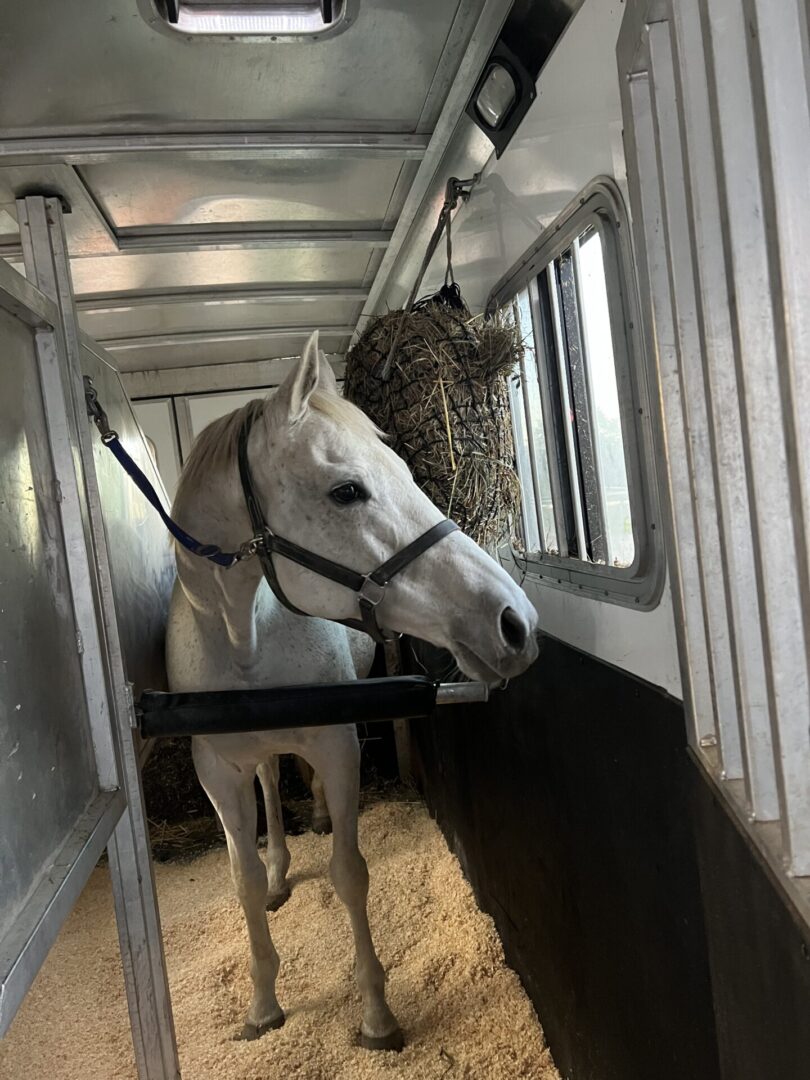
(402, 730)
(723, 397)
(778, 47)
(529, 420)
(596, 450)
(697, 434)
(671, 449)
(557, 322)
(544, 353)
(766, 362)
(47, 266)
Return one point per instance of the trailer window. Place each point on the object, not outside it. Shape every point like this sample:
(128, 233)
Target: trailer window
(607, 427)
(579, 410)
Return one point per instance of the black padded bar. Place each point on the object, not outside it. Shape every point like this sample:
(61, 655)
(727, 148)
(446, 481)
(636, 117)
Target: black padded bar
(228, 712)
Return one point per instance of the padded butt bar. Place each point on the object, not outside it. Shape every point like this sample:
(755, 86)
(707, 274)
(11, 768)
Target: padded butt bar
(226, 712)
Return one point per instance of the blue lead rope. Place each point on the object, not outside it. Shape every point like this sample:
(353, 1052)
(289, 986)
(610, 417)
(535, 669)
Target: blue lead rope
(112, 442)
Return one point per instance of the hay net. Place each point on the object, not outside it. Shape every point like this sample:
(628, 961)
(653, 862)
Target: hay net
(445, 407)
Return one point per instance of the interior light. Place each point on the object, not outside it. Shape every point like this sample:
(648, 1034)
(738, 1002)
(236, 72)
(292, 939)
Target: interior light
(262, 17)
(496, 96)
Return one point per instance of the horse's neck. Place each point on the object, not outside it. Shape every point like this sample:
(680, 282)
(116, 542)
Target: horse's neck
(215, 513)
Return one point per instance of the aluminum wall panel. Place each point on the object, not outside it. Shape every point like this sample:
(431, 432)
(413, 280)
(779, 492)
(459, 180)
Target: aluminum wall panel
(719, 189)
(728, 457)
(47, 769)
(769, 453)
(141, 555)
(688, 363)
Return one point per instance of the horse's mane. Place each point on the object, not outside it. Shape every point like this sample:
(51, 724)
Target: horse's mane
(215, 448)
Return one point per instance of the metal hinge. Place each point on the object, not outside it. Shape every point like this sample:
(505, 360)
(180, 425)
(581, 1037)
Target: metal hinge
(79, 643)
(129, 699)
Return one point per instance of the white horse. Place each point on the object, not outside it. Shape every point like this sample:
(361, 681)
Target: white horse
(328, 482)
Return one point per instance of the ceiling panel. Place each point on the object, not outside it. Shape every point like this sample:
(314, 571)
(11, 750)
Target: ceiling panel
(167, 150)
(338, 265)
(301, 191)
(96, 65)
(195, 354)
(178, 318)
(85, 229)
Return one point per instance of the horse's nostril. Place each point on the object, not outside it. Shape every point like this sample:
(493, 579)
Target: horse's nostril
(513, 628)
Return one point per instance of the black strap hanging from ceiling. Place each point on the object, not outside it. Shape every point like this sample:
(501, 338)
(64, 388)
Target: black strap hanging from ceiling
(449, 294)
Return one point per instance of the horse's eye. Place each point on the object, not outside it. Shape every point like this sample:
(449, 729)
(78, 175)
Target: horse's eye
(348, 493)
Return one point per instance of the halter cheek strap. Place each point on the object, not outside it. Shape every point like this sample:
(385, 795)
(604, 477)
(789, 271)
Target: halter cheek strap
(369, 587)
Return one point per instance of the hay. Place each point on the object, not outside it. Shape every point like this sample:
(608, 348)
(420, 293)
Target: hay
(446, 408)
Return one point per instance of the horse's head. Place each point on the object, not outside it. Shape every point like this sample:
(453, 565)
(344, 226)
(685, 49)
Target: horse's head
(330, 484)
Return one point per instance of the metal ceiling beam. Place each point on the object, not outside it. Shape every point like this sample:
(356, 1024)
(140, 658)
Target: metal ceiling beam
(214, 378)
(199, 337)
(484, 35)
(143, 241)
(170, 241)
(96, 303)
(97, 149)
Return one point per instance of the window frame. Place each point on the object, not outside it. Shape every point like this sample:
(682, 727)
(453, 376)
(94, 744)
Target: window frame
(639, 585)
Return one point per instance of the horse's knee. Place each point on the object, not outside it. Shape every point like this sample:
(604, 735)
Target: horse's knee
(349, 872)
(249, 878)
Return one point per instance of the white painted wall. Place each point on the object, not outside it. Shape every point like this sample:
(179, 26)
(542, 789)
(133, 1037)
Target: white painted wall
(571, 134)
(205, 408)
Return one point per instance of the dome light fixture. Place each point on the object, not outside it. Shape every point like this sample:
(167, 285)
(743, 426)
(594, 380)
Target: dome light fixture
(501, 97)
(498, 93)
(251, 20)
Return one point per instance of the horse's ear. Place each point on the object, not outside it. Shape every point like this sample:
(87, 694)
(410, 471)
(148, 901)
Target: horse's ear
(294, 393)
(327, 380)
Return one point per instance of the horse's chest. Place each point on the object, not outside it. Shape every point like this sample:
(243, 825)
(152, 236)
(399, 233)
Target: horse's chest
(278, 649)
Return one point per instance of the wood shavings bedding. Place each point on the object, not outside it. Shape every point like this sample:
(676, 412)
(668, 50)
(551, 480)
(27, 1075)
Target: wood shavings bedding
(463, 1011)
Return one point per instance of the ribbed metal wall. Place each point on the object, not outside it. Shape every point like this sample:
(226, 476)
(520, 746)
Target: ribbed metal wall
(717, 132)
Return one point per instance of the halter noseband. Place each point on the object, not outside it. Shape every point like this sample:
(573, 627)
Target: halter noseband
(369, 587)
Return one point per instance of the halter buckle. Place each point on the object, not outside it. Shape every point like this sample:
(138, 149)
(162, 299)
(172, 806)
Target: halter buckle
(371, 591)
(96, 412)
(249, 548)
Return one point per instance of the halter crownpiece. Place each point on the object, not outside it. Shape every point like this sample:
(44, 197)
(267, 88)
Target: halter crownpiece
(369, 587)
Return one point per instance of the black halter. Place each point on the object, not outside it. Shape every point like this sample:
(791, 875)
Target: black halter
(369, 587)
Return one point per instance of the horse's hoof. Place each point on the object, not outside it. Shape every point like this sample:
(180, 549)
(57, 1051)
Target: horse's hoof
(322, 826)
(251, 1032)
(393, 1041)
(275, 901)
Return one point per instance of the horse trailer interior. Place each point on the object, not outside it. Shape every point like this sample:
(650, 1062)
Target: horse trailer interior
(584, 745)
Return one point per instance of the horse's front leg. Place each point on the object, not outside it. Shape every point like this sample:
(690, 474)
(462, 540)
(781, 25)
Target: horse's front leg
(231, 790)
(278, 854)
(336, 759)
(321, 822)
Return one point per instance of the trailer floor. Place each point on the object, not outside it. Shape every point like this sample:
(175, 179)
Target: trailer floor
(463, 1011)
